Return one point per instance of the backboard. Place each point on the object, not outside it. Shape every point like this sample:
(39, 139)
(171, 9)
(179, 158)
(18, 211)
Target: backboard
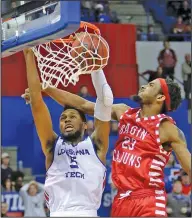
(33, 24)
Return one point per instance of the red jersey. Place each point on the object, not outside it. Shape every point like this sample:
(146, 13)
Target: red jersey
(139, 158)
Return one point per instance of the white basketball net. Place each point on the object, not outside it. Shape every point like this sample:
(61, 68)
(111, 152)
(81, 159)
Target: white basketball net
(56, 64)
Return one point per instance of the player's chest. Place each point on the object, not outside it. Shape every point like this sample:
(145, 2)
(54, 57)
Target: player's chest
(72, 156)
(133, 134)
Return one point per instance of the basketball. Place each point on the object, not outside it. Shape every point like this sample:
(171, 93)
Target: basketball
(91, 51)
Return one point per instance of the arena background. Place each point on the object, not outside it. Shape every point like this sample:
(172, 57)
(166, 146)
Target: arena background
(128, 60)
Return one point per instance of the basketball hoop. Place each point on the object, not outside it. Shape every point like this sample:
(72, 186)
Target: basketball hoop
(64, 60)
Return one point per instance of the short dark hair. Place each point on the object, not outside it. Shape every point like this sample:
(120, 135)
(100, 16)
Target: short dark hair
(166, 40)
(82, 115)
(175, 96)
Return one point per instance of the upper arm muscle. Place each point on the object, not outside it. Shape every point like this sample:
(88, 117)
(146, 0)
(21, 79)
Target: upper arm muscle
(177, 140)
(101, 137)
(43, 125)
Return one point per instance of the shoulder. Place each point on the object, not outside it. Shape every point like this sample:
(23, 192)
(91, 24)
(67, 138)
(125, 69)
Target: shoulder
(118, 110)
(120, 106)
(163, 50)
(172, 50)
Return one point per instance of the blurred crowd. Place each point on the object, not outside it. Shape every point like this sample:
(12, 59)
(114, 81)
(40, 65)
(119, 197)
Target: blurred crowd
(167, 60)
(180, 30)
(32, 193)
(182, 11)
(98, 11)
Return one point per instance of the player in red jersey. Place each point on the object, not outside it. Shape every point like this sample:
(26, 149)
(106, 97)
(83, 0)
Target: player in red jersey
(146, 138)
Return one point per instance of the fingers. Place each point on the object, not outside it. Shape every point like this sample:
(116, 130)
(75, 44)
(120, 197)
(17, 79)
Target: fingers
(26, 97)
(28, 53)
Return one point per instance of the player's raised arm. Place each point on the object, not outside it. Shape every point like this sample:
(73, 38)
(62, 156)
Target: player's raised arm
(66, 98)
(177, 139)
(39, 109)
(102, 113)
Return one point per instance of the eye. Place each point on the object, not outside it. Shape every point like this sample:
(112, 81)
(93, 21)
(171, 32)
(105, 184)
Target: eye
(73, 117)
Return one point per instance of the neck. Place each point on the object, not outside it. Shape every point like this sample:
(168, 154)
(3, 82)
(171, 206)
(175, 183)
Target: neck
(149, 110)
(4, 166)
(75, 141)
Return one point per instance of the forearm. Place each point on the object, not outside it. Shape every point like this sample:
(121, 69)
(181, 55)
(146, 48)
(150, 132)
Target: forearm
(66, 98)
(23, 190)
(32, 77)
(104, 102)
(185, 161)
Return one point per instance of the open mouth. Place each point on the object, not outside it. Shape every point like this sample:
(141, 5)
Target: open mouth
(68, 127)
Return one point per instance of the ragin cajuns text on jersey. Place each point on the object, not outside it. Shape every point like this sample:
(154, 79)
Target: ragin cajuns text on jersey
(139, 158)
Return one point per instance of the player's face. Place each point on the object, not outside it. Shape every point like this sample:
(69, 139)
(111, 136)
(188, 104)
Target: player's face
(150, 93)
(71, 124)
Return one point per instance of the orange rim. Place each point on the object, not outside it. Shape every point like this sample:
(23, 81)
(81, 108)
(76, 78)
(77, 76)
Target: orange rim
(82, 25)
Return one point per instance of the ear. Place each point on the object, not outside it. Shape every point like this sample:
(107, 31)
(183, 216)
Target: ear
(85, 126)
(160, 98)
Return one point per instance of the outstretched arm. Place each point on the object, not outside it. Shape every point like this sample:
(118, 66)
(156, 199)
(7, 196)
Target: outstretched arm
(102, 113)
(177, 139)
(66, 98)
(39, 109)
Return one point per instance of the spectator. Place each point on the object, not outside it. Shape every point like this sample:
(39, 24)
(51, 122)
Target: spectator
(83, 92)
(5, 6)
(8, 186)
(33, 199)
(87, 4)
(172, 172)
(188, 30)
(151, 35)
(154, 74)
(186, 184)
(179, 29)
(186, 74)
(173, 6)
(98, 10)
(13, 4)
(6, 171)
(18, 183)
(114, 18)
(167, 60)
(178, 205)
(141, 36)
(185, 11)
(114, 128)
(4, 209)
(90, 127)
